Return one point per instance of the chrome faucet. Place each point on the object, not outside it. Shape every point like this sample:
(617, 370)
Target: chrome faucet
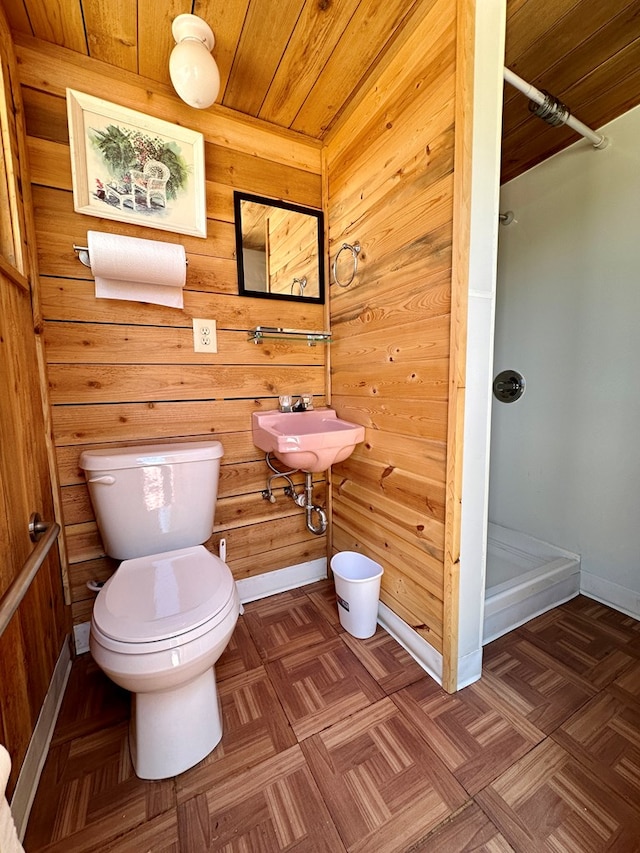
(303, 404)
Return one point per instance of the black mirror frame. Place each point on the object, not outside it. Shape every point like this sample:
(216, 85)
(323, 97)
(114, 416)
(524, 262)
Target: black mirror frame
(239, 197)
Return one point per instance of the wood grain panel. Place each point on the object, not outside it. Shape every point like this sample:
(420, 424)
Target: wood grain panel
(65, 299)
(126, 422)
(153, 52)
(475, 741)
(261, 540)
(46, 67)
(34, 637)
(112, 32)
(415, 525)
(227, 20)
(391, 665)
(391, 186)
(532, 683)
(298, 71)
(384, 786)
(126, 372)
(285, 625)
(352, 58)
(380, 779)
(317, 62)
(267, 36)
(414, 417)
(95, 343)
(280, 805)
(391, 482)
(405, 452)
(255, 727)
(59, 22)
(392, 544)
(79, 383)
(320, 684)
(470, 829)
(606, 739)
(549, 800)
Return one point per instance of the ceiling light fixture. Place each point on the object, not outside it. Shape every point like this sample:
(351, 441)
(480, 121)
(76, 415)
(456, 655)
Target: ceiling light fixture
(192, 69)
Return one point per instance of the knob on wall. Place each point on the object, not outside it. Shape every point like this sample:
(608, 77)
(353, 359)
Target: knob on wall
(508, 386)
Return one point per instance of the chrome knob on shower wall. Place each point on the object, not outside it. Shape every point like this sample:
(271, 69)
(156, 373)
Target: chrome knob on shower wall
(508, 386)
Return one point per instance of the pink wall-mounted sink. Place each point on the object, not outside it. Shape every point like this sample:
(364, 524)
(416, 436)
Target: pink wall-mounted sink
(310, 441)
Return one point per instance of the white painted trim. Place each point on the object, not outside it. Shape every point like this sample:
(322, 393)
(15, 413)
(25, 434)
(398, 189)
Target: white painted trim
(469, 668)
(428, 658)
(612, 594)
(271, 583)
(490, 20)
(29, 776)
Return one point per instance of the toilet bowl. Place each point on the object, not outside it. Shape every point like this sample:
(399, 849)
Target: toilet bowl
(159, 626)
(161, 622)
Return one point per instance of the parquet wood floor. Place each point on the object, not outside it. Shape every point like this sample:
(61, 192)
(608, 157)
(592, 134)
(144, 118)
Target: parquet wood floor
(336, 744)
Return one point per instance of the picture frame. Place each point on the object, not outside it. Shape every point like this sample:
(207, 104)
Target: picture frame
(134, 168)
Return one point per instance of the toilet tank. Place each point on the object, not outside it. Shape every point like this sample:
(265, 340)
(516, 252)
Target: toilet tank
(153, 498)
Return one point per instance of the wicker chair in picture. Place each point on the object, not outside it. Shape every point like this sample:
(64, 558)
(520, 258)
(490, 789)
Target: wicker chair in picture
(152, 181)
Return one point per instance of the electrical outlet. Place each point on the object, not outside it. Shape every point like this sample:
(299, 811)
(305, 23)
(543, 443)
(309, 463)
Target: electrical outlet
(204, 336)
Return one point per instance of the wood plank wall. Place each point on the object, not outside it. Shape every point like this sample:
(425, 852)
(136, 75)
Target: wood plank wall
(390, 178)
(125, 372)
(34, 637)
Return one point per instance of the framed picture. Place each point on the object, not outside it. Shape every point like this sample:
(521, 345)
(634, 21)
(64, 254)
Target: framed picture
(131, 167)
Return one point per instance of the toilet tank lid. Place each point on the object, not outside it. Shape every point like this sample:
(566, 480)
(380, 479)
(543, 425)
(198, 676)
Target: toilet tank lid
(143, 455)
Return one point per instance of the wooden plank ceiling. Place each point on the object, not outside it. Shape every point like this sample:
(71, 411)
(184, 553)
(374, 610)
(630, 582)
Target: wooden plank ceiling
(298, 63)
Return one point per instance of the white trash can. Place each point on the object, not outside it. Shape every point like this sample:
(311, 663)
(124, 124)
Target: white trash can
(357, 580)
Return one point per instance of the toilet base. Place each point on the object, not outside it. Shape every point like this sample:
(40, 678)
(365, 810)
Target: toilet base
(172, 730)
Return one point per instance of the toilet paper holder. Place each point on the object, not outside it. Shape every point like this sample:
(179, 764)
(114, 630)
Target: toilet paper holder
(83, 255)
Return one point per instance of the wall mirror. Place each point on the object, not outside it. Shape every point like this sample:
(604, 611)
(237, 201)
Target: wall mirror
(279, 249)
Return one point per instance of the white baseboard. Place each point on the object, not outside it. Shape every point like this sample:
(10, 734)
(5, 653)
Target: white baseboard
(428, 658)
(469, 669)
(609, 593)
(36, 755)
(81, 637)
(271, 583)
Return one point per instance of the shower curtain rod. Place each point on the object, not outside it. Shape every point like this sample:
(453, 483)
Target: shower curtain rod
(552, 110)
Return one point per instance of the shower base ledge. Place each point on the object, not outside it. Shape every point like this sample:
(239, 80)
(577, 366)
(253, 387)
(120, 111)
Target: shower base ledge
(525, 578)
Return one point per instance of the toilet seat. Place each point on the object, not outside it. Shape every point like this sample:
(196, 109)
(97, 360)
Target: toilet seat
(159, 599)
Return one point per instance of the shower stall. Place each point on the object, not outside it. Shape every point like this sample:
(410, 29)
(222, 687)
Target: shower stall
(545, 389)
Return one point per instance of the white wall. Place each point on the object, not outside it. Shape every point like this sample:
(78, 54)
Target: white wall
(565, 458)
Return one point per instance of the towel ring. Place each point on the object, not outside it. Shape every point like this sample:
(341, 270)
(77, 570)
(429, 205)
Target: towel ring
(355, 249)
(301, 282)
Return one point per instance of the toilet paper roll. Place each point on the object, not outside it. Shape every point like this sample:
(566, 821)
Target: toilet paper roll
(138, 270)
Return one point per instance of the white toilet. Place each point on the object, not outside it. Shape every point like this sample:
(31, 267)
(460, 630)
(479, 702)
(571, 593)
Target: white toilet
(163, 619)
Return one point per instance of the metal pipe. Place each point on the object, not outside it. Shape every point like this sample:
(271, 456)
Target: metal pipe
(303, 499)
(540, 98)
(310, 507)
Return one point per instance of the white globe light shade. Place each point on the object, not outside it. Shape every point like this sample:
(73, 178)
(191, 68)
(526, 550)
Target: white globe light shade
(192, 69)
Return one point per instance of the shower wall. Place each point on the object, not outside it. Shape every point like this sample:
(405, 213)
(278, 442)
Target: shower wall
(565, 458)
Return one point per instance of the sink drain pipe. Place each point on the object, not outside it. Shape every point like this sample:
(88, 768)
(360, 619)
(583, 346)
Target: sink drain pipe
(303, 500)
(311, 508)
